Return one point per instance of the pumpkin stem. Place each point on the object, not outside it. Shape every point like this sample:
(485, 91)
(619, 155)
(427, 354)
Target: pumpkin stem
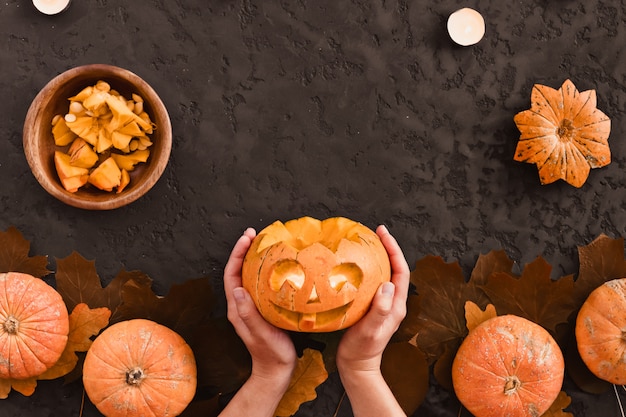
(511, 384)
(565, 130)
(11, 325)
(134, 376)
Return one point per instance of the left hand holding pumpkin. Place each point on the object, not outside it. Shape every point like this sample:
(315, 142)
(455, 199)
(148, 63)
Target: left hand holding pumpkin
(273, 353)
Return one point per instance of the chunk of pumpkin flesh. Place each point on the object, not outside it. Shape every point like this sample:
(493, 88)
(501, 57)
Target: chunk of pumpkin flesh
(62, 134)
(85, 127)
(124, 181)
(122, 115)
(72, 177)
(82, 155)
(106, 176)
(128, 161)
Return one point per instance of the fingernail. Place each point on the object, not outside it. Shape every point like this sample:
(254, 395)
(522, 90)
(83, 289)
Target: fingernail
(239, 294)
(388, 289)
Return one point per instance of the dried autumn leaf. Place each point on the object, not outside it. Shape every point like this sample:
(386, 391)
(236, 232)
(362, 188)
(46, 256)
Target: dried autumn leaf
(563, 133)
(25, 387)
(533, 295)
(78, 282)
(182, 309)
(488, 264)
(561, 403)
(222, 367)
(412, 323)
(442, 370)
(442, 293)
(474, 315)
(307, 376)
(600, 261)
(84, 323)
(579, 373)
(14, 255)
(406, 371)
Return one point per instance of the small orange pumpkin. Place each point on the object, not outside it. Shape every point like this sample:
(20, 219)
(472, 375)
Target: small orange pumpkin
(601, 331)
(508, 366)
(34, 325)
(563, 133)
(140, 368)
(315, 276)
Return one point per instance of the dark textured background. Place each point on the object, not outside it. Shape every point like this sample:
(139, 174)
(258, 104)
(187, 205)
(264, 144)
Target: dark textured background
(361, 108)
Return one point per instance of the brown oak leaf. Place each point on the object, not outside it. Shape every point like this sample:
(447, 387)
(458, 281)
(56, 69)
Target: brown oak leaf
(182, 309)
(442, 293)
(533, 295)
(224, 363)
(600, 261)
(14, 255)
(490, 263)
(78, 282)
(406, 371)
(307, 376)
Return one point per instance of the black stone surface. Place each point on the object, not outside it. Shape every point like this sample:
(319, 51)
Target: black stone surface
(361, 108)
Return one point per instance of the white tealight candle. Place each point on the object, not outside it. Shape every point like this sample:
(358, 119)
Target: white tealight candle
(51, 6)
(466, 26)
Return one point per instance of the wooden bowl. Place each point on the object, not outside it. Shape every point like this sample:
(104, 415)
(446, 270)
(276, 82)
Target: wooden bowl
(39, 146)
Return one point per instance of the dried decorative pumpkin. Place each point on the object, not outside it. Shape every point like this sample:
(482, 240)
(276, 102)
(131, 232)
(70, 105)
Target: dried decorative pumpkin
(508, 366)
(34, 325)
(563, 133)
(601, 331)
(315, 276)
(140, 368)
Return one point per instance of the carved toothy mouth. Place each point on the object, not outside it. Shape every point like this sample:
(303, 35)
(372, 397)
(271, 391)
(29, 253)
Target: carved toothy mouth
(309, 322)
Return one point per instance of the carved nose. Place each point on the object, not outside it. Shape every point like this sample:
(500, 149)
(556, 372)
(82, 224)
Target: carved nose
(313, 297)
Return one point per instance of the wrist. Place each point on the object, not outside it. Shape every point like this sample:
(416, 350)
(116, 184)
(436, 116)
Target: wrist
(277, 377)
(359, 366)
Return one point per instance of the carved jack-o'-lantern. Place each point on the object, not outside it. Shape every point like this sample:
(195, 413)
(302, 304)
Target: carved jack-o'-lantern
(315, 276)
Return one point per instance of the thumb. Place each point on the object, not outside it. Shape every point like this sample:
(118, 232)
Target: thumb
(245, 306)
(383, 301)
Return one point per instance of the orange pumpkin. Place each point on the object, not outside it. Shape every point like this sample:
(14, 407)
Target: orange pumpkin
(601, 331)
(563, 133)
(315, 276)
(34, 325)
(140, 368)
(508, 366)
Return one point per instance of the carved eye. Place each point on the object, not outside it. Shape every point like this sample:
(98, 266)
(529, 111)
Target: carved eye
(288, 271)
(345, 273)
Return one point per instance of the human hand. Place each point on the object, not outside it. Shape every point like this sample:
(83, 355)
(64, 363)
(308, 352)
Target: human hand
(273, 353)
(361, 347)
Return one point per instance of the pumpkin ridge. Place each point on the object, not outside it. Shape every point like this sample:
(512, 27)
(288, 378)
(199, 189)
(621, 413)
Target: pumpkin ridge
(151, 365)
(21, 353)
(546, 103)
(148, 348)
(156, 411)
(542, 116)
(115, 354)
(591, 100)
(18, 306)
(600, 317)
(28, 341)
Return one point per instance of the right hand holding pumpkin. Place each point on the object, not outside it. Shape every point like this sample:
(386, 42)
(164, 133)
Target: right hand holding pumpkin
(362, 345)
